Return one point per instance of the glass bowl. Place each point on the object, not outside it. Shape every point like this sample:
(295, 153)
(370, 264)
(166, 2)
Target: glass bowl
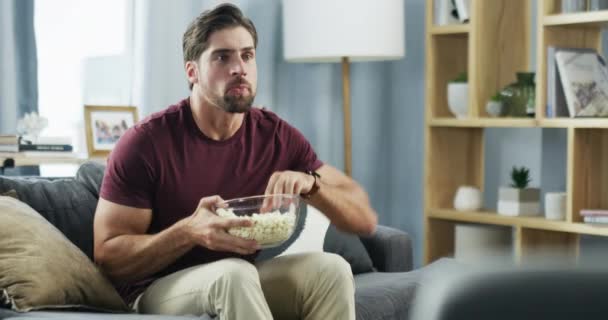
(274, 217)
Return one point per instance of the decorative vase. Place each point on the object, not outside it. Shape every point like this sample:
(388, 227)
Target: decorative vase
(520, 97)
(519, 202)
(495, 108)
(555, 205)
(467, 199)
(573, 5)
(458, 99)
(595, 5)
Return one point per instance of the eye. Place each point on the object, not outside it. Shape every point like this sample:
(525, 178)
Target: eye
(222, 57)
(248, 56)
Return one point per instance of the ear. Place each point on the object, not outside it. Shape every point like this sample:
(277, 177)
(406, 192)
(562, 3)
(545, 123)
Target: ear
(192, 71)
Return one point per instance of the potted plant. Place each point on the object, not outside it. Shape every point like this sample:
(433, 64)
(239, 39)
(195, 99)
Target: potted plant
(519, 199)
(458, 96)
(495, 107)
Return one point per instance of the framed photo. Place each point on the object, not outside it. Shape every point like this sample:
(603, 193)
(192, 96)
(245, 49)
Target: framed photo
(104, 125)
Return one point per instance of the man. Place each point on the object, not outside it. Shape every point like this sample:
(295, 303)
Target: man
(155, 234)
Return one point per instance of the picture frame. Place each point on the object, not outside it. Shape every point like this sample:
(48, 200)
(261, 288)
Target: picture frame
(104, 125)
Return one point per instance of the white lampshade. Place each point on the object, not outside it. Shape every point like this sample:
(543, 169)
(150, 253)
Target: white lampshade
(327, 30)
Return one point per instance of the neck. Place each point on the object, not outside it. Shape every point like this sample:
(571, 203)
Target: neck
(212, 120)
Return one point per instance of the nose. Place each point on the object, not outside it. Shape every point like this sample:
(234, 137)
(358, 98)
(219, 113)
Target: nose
(238, 68)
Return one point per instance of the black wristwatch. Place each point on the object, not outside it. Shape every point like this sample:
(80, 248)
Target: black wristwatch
(315, 186)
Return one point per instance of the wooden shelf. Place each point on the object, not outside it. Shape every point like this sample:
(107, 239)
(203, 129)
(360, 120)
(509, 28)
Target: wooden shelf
(539, 223)
(24, 160)
(492, 49)
(450, 29)
(599, 123)
(574, 123)
(483, 122)
(594, 18)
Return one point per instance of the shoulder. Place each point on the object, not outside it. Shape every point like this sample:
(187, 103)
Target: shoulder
(261, 114)
(167, 118)
(266, 119)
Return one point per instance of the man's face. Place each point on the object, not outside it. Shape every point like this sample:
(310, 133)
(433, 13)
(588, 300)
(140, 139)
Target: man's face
(227, 70)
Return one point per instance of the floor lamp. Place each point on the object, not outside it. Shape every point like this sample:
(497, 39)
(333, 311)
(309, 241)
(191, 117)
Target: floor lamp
(343, 31)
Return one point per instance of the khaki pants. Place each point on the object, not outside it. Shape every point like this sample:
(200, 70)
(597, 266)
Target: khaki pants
(306, 286)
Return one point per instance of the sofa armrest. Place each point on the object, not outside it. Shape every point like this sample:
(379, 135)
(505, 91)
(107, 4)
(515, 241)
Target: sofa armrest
(390, 249)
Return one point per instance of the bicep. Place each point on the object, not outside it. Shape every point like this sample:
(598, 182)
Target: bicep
(113, 220)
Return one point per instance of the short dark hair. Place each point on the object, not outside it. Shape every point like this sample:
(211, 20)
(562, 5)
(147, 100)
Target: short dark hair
(196, 37)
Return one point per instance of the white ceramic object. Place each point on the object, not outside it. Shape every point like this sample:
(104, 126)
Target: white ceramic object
(458, 99)
(555, 205)
(518, 202)
(494, 108)
(467, 199)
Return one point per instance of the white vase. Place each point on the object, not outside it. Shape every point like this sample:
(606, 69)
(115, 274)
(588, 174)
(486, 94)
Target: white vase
(555, 205)
(467, 199)
(494, 108)
(458, 99)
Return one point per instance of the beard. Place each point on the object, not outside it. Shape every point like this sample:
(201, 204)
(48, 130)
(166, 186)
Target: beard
(236, 104)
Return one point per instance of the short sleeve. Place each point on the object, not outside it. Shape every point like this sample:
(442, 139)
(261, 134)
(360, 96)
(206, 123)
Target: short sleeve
(130, 175)
(304, 158)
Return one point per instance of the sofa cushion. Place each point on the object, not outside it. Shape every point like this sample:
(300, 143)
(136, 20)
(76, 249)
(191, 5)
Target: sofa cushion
(385, 296)
(318, 235)
(40, 268)
(64, 203)
(90, 175)
(348, 246)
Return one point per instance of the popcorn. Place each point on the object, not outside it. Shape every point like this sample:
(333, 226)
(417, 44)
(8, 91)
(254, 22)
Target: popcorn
(268, 228)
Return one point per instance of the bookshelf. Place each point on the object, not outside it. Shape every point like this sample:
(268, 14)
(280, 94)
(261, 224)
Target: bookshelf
(491, 48)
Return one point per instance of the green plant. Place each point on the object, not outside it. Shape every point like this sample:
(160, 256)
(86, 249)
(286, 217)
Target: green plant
(496, 97)
(462, 78)
(520, 177)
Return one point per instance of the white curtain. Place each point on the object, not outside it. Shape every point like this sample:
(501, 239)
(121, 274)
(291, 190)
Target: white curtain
(18, 81)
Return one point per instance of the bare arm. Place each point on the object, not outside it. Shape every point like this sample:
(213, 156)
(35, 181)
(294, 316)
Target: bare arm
(339, 197)
(125, 253)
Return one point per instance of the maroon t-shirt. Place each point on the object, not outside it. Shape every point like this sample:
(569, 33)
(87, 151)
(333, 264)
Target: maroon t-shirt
(165, 163)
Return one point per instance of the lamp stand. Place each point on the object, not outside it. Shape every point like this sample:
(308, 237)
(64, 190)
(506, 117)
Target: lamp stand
(347, 117)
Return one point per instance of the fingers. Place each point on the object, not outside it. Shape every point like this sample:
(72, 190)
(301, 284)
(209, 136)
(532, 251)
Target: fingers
(271, 183)
(227, 223)
(223, 241)
(286, 182)
(236, 244)
(210, 202)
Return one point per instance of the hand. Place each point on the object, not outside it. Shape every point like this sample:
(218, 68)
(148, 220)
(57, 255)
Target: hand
(289, 182)
(210, 230)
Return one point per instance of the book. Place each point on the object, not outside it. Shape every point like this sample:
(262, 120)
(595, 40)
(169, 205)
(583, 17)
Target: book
(556, 100)
(584, 77)
(46, 147)
(597, 220)
(9, 139)
(594, 212)
(9, 148)
(47, 154)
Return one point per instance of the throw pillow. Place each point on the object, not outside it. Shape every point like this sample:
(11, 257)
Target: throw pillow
(65, 203)
(41, 269)
(10, 193)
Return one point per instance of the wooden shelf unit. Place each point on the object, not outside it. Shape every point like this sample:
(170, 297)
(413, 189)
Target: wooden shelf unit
(492, 47)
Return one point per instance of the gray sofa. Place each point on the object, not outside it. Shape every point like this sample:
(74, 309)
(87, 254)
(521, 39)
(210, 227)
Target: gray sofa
(382, 293)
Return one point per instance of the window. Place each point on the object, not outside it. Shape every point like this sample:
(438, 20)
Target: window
(69, 35)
